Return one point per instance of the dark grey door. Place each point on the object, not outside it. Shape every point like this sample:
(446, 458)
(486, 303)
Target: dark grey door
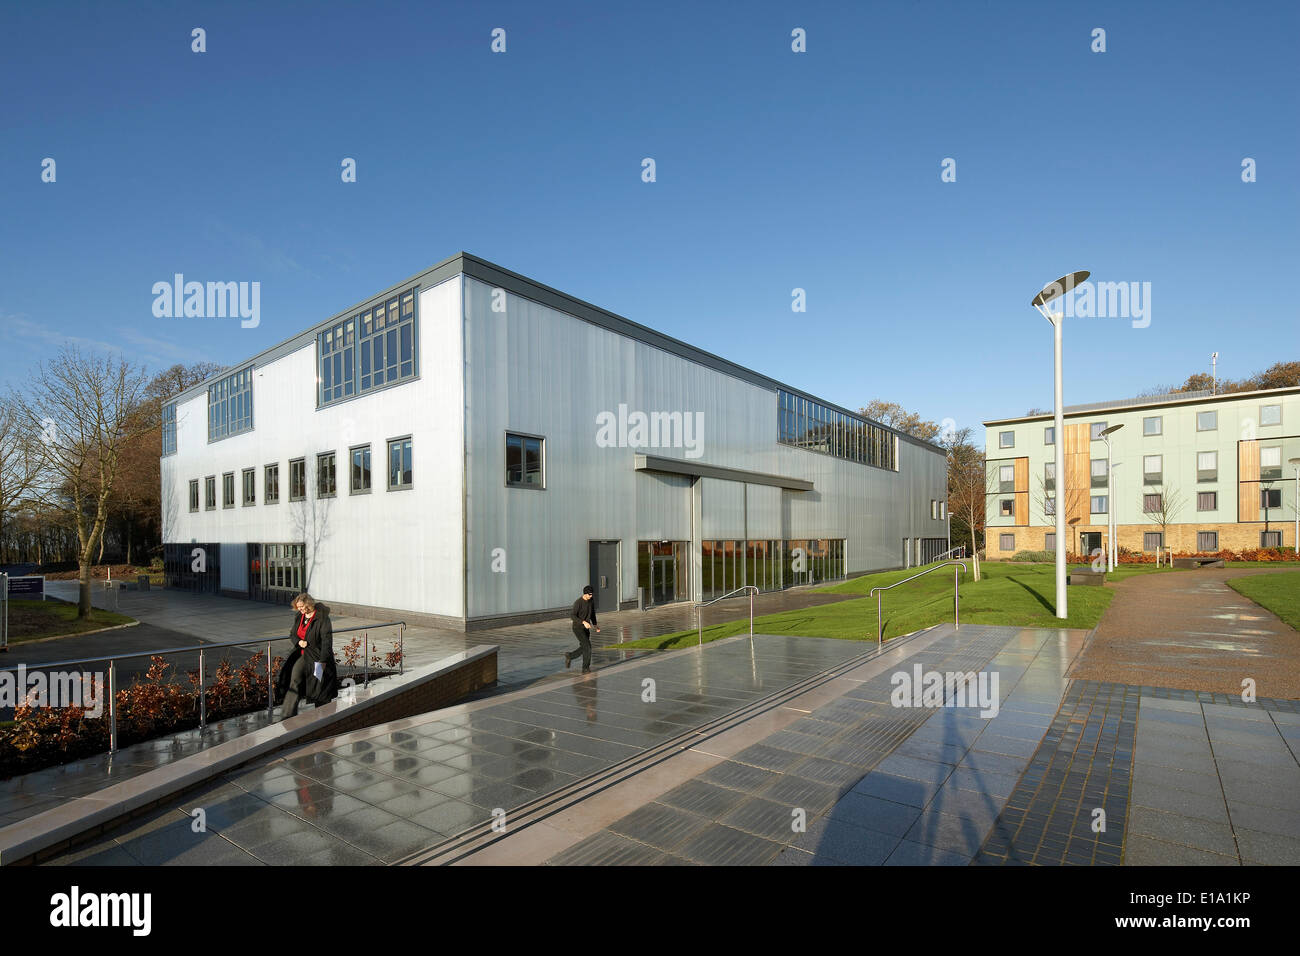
(1091, 541)
(665, 589)
(604, 574)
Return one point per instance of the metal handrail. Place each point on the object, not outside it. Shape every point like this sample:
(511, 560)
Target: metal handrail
(880, 623)
(940, 557)
(700, 606)
(270, 694)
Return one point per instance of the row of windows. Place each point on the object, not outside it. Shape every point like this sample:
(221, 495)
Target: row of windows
(807, 424)
(1152, 503)
(1153, 467)
(1206, 421)
(230, 405)
(169, 429)
(1154, 540)
(359, 478)
(371, 350)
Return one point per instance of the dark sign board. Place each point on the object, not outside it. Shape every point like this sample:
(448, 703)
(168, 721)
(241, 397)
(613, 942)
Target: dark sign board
(27, 586)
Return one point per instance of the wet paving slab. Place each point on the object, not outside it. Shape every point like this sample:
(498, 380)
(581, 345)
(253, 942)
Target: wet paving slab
(380, 795)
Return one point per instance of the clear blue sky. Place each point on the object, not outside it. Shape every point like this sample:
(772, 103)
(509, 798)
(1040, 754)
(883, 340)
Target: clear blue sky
(775, 170)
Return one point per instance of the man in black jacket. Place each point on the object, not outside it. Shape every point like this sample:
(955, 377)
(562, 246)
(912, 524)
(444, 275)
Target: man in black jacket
(584, 622)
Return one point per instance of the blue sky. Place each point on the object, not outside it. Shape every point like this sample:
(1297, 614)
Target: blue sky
(775, 171)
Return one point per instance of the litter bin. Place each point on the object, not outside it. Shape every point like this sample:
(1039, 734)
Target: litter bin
(142, 581)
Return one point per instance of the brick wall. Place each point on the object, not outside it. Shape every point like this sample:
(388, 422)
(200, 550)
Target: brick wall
(1180, 537)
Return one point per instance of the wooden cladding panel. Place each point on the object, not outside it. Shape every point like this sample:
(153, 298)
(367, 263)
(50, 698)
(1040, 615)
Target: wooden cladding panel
(1022, 506)
(1022, 474)
(1078, 473)
(1248, 481)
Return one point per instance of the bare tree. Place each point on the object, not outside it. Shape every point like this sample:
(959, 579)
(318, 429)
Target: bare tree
(19, 459)
(968, 488)
(309, 519)
(1169, 503)
(83, 408)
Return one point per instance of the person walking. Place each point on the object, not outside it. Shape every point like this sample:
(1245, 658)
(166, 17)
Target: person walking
(584, 623)
(309, 672)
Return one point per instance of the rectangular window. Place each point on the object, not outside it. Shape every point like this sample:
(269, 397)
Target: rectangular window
(1049, 541)
(228, 490)
(1270, 539)
(271, 484)
(1270, 498)
(1152, 540)
(1095, 429)
(523, 461)
(169, 429)
(943, 510)
(1270, 462)
(1049, 476)
(934, 508)
(1006, 478)
(1207, 421)
(373, 349)
(194, 495)
(1049, 506)
(1207, 466)
(1007, 542)
(1099, 472)
(1207, 501)
(1006, 439)
(326, 475)
(399, 464)
(1049, 435)
(230, 405)
(1155, 425)
(250, 487)
(1270, 414)
(1151, 504)
(360, 481)
(1099, 504)
(209, 493)
(1207, 541)
(1153, 467)
(1007, 508)
(298, 479)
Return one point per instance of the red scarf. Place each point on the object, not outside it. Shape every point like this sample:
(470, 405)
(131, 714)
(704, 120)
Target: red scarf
(302, 625)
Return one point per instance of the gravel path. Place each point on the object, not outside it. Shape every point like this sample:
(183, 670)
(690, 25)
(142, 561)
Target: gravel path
(1189, 630)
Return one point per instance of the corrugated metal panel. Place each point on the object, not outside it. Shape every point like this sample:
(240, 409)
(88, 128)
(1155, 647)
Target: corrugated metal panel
(663, 507)
(234, 567)
(763, 511)
(724, 508)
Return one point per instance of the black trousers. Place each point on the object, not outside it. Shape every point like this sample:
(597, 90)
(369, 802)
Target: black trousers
(584, 644)
(297, 684)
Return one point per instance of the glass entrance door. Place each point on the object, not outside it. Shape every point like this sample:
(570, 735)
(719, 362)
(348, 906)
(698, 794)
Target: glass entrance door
(665, 579)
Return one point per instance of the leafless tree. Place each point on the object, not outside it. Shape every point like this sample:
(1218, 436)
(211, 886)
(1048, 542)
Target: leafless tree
(81, 409)
(1166, 509)
(20, 459)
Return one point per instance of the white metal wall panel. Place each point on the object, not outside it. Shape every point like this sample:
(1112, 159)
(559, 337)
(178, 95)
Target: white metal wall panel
(663, 507)
(763, 511)
(398, 549)
(724, 508)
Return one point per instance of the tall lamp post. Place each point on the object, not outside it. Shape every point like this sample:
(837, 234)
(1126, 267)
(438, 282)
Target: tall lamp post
(1112, 525)
(1295, 542)
(1049, 292)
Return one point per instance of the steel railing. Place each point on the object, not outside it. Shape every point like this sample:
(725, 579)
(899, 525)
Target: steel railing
(880, 621)
(112, 660)
(700, 606)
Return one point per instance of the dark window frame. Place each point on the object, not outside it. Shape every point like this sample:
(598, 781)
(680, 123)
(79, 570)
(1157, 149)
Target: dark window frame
(410, 465)
(367, 473)
(271, 489)
(301, 476)
(249, 477)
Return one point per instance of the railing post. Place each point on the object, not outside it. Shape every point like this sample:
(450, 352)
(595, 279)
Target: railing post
(751, 615)
(956, 607)
(366, 635)
(699, 623)
(270, 691)
(401, 655)
(880, 625)
(203, 701)
(112, 707)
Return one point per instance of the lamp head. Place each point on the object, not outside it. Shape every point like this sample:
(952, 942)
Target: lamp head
(1113, 428)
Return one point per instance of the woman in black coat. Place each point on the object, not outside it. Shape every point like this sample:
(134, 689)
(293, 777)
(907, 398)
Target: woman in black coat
(309, 672)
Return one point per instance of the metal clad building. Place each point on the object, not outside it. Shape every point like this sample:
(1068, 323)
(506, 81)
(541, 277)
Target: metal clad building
(475, 447)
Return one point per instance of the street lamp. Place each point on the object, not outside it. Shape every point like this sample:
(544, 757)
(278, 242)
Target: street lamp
(1057, 319)
(1295, 542)
(1266, 486)
(1112, 525)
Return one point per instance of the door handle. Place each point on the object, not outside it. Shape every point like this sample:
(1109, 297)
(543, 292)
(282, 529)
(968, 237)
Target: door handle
(604, 581)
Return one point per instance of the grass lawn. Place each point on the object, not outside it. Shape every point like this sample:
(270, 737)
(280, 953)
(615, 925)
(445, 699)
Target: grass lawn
(1007, 594)
(1279, 592)
(29, 620)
